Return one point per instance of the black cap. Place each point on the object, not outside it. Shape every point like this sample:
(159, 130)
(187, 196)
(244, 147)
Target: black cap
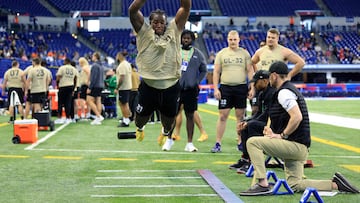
(279, 67)
(260, 74)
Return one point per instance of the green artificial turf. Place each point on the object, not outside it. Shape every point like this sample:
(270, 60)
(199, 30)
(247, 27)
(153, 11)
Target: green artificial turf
(84, 163)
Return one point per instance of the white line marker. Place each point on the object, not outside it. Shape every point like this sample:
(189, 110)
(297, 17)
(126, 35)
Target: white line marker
(148, 186)
(145, 178)
(335, 120)
(31, 147)
(158, 195)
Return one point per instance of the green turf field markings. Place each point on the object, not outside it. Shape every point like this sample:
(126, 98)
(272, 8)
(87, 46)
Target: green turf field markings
(145, 177)
(156, 195)
(133, 152)
(214, 113)
(117, 159)
(341, 157)
(46, 137)
(149, 186)
(208, 111)
(222, 162)
(63, 157)
(335, 144)
(143, 171)
(154, 186)
(4, 124)
(355, 168)
(224, 192)
(174, 161)
(14, 156)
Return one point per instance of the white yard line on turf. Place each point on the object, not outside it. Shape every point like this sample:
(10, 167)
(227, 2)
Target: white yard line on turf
(335, 120)
(46, 137)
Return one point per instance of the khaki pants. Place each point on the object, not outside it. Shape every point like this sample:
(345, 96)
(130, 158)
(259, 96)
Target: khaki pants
(294, 155)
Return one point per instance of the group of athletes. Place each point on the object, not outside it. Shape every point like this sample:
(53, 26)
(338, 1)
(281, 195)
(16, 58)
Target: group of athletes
(163, 58)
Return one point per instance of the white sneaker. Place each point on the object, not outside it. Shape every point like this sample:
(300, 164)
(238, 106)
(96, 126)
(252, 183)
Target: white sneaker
(190, 147)
(101, 118)
(96, 122)
(168, 144)
(68, 120)
(59, 121)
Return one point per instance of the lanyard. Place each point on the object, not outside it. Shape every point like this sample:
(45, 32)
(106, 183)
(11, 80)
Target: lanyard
(190, 53)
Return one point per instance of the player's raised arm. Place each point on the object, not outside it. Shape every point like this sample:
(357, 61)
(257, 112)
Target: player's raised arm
(183, 13)
(136, 17)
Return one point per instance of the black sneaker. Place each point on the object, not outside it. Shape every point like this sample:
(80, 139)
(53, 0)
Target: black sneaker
(244, 168)
(122, 124)
(256, 190)
(343, 184)
(239, 164)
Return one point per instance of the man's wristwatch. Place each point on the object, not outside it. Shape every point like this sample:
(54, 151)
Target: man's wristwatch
(284, 136)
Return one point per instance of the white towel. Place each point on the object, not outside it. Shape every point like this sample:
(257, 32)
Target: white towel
(14, 99)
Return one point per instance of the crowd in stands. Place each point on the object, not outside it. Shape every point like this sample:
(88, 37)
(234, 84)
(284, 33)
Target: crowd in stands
(26, 46)
(53, 47)
(104, 39)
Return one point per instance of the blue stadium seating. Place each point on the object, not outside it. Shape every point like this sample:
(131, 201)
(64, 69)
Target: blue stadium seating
(227, 7)
(122, 41)
(170, 7)
(81, 5)
(31, 7)
(54, 41)
(264, 7)
(351, 40)
(343, 7)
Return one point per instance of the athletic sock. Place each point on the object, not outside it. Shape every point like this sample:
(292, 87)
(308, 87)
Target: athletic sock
(126, 121)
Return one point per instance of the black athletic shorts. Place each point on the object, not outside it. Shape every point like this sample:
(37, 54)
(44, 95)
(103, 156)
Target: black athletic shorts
(233, 96)
(96, 92)
(38, 98)
(164, 100)
(83, 90)
(124, 96)
(19, 91)
(189, 98)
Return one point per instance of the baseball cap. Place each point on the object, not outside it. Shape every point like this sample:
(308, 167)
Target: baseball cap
(260, 74)
(279, 67)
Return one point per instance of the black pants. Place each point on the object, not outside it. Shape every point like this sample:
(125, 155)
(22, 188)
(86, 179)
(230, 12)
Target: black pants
(254, 128)
(65, 99)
